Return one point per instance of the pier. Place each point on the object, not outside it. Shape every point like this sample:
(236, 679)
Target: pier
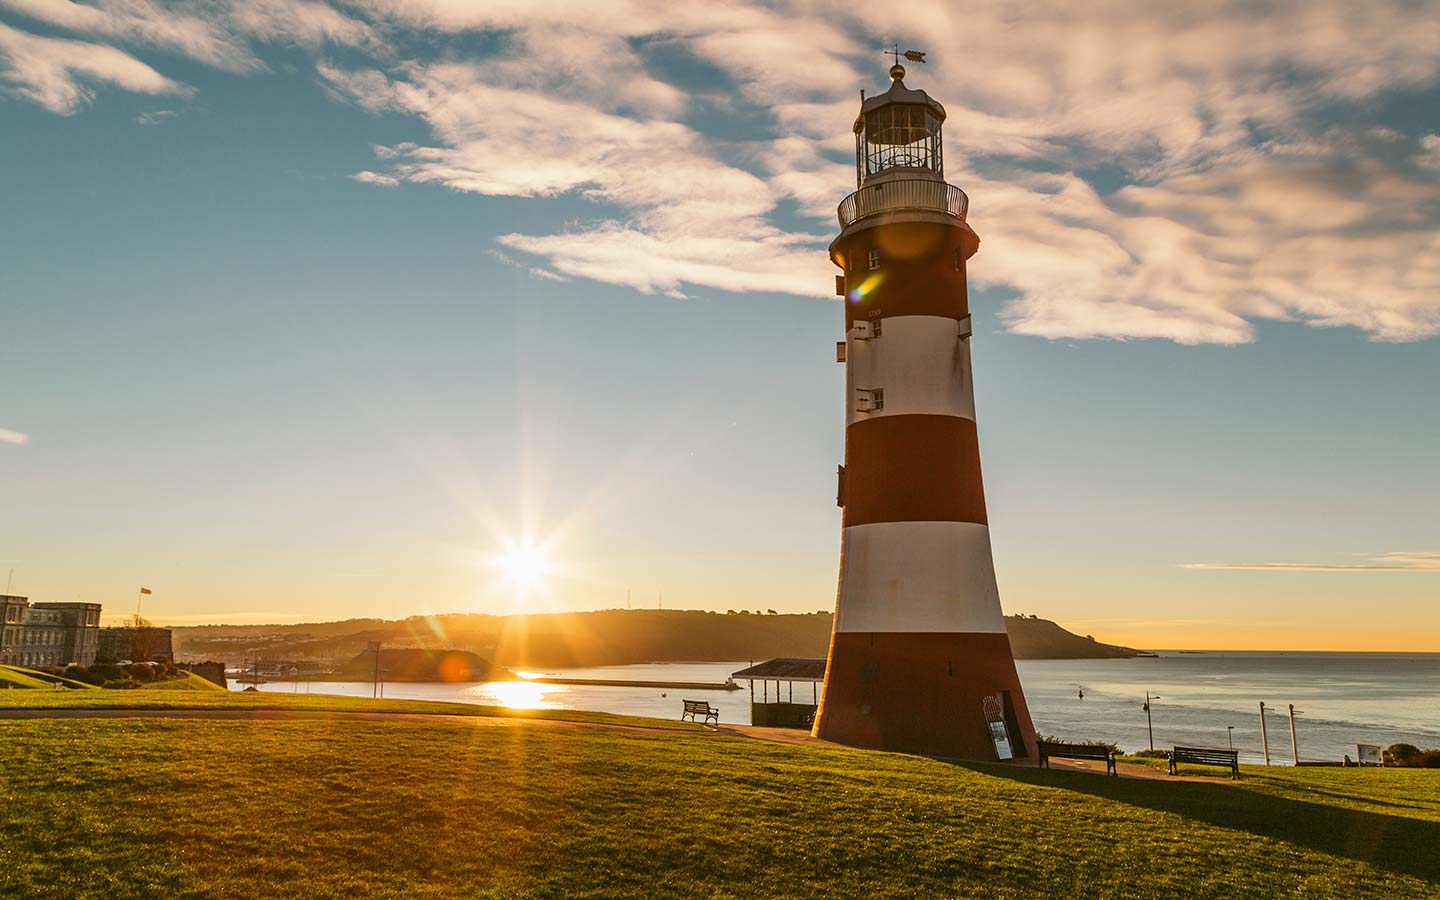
(726, 685)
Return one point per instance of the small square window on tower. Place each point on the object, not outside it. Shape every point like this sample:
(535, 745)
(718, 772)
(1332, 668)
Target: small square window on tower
(869, 399)
(874, 259)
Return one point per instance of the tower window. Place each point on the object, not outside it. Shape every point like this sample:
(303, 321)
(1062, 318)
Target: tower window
(874, 259)
(959, 263)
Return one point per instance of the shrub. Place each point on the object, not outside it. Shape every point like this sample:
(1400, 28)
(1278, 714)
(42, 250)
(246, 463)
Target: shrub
(1152, 754)
(1402, 754)
(1114, 748)
(1412, 757)
(89, 676)
(141, 672)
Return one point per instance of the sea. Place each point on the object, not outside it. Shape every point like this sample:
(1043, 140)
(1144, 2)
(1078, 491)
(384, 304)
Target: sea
(1205, 699)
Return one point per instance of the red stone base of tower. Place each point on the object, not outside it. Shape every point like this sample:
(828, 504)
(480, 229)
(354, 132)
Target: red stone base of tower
(922, 693)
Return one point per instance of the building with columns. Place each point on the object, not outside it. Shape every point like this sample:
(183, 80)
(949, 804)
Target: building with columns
(47, 634)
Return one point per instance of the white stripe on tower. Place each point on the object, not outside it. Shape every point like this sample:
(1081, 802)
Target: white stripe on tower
(918, 577)
(920, 362)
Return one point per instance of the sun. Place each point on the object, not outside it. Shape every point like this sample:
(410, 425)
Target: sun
(525, 567)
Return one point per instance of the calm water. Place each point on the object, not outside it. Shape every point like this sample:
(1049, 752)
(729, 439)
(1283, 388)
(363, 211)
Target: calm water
(1342, 698)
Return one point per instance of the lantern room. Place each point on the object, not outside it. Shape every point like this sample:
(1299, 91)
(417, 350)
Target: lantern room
(899, 131)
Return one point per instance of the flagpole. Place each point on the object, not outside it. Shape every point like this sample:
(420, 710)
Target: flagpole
(138, 594)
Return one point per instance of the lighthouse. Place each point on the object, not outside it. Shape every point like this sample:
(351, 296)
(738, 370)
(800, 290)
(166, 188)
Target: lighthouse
(919, 658)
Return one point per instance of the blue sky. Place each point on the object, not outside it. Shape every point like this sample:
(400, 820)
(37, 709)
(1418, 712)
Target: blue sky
(309, 311)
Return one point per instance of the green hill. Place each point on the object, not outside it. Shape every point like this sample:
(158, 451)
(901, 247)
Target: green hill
(432, 809)
(421, 665)
(599, 638)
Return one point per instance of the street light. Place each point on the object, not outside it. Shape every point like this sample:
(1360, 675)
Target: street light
(374, 647)
(1294, 745)
(1230, 732)
(1148, 726)
(1264, 738)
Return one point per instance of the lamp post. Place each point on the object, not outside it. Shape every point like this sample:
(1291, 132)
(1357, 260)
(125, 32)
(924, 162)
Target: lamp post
(1294, 746)
(1264, 740)
(1148, 726)
(1230, 733)
(375, 677)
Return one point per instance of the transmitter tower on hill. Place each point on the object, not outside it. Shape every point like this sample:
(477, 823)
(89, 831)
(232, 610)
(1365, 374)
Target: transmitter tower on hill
(919, 660)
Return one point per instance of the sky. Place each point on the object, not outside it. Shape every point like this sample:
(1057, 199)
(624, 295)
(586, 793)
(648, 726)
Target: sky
(317, 310)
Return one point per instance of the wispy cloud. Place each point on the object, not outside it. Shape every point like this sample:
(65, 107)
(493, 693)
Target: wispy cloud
(376, 178)
(58, 73)
(8, 436)
(216, 34)
(1247, 179)
(1241, 207)
(155, 117)
(144, 23)
(690, 217)
(1388, 562)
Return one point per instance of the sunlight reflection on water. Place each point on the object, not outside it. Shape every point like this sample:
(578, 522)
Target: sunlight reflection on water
(516, 695)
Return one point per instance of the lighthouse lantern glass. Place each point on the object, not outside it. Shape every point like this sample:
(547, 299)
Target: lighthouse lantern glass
(899, 136)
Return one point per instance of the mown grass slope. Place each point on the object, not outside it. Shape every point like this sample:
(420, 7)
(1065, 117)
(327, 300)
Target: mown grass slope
(469, 808)
(156, 699)
(13, 677)
(188, 681)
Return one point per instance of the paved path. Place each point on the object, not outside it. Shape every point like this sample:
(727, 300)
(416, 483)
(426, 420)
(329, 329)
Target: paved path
(778, 735)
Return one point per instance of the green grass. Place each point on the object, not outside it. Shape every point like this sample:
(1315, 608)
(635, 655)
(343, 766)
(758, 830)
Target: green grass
(14, 677)
(207, 809)
(188, 681)
(153, 699)
(47, 680)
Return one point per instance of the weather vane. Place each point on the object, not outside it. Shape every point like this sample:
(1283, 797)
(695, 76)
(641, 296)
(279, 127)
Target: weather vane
(911, 55)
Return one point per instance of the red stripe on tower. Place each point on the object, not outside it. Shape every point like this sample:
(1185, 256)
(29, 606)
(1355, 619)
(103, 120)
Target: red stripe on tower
(919, 660)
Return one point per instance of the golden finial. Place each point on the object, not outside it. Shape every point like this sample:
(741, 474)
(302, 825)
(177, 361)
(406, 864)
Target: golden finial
(897, 71)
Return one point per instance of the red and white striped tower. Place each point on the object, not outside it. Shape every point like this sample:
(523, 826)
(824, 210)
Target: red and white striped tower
(919, 659)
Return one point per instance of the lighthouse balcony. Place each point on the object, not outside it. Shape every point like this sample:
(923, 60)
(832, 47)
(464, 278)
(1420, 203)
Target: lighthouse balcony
(926, 194)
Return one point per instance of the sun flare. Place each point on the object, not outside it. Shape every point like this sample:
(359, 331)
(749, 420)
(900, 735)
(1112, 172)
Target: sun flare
(525, 567)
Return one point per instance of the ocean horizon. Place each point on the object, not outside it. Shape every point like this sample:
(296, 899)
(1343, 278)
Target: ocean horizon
(1200, 698)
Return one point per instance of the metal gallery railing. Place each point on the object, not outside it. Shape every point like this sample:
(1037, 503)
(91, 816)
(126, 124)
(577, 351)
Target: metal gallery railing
(912, 193)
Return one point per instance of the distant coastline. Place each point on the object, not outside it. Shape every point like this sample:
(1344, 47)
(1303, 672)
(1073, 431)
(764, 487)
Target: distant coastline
(572, 640)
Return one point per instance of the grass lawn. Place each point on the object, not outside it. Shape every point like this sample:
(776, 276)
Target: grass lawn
(188, 681)
(12, 678)
(122, 808)
(45, 679)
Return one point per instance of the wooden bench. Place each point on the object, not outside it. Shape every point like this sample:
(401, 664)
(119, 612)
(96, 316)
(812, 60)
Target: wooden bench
(1204, 756)
(701, 708)
(1061, 750)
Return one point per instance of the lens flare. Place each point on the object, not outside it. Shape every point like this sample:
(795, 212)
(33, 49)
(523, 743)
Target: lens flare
(865, 287)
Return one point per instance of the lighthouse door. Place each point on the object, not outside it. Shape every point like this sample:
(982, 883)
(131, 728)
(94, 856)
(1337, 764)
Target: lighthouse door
(994, 710)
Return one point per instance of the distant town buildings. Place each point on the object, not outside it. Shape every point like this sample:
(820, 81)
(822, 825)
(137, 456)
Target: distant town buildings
(47, 634)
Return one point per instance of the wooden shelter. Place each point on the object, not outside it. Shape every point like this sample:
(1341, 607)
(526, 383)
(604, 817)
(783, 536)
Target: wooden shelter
(782, 711)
